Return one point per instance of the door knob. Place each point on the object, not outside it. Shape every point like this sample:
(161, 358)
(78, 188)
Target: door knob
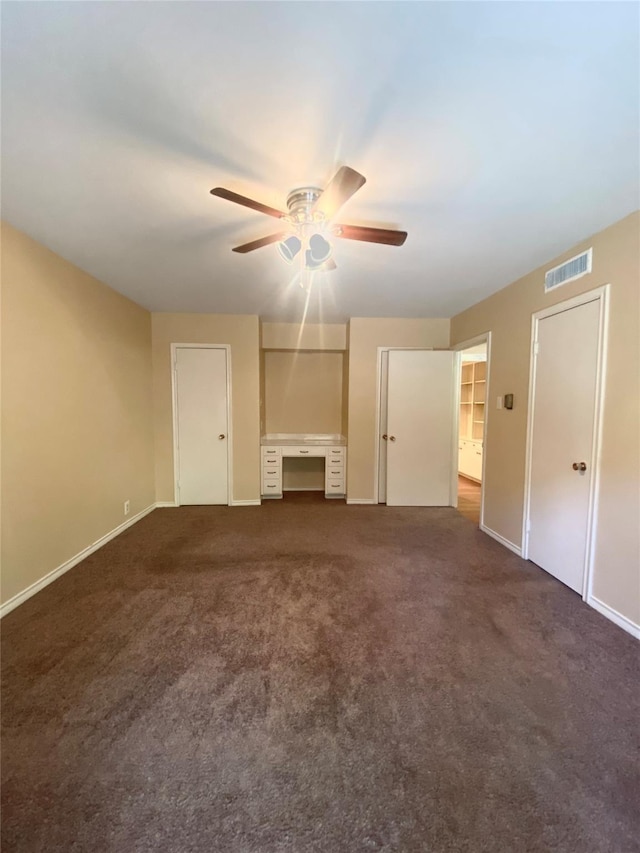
(579, 466)
(392, 438)
(221, 436)
(385, 436)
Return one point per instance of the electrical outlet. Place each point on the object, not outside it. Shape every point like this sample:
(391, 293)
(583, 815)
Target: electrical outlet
(127, 507)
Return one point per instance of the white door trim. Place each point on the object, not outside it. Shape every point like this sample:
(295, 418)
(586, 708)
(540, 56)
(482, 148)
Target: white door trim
(376, 470)
(601, 295)
(174, 404)
(485, 337)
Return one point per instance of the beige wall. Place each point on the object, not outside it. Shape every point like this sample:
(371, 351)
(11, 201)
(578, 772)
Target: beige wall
(242, 334)
(365, 336)
(303, 474)
(345, 393)
(303, 392)
(263, 423)
(507, 314)
(309, 336)
(77, 433)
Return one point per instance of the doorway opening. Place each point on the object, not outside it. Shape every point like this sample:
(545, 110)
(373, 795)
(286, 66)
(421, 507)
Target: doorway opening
(472, 416)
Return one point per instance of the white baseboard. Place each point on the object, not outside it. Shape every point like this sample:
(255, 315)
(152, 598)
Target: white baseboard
(506, 542)
(21, 597)
(367, 501)
(617, 618)
(164, 504)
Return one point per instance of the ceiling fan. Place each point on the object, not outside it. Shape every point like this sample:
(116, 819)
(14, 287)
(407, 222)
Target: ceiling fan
(309, 221)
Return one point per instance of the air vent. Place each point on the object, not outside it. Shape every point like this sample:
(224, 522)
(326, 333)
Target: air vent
(568, 271)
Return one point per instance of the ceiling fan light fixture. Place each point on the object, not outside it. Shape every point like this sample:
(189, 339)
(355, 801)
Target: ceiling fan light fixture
(310, 263)
(319, 248)
(290, 247)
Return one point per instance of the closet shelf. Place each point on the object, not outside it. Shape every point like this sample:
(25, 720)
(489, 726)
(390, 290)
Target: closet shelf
(472, 400)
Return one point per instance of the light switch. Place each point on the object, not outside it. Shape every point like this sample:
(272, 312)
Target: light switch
(499, 403)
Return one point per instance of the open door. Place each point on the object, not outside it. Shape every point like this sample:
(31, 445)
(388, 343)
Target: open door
(420, 424)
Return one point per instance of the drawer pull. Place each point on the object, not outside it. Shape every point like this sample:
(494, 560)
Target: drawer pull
(272, 472)
(336, 472)
(335, 487)
(270, 487)
(304, 451)
(336, 451)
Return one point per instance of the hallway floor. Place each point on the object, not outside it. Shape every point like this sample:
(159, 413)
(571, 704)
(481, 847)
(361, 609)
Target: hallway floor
(469, 496)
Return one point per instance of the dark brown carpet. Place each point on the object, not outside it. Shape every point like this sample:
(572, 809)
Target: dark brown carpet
(307, 676)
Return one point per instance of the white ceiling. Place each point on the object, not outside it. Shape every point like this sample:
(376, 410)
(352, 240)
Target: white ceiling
(496, 134)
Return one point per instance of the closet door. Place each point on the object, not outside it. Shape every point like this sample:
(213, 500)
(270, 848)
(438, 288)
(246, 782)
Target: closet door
(420, 422)
(202, 444)
(562, 442)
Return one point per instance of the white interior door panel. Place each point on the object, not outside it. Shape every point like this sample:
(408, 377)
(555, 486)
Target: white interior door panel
(564, 403)
(420, 423)
(201, 423)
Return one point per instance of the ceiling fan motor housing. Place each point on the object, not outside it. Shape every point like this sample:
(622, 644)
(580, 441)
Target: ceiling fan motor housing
(300, 204)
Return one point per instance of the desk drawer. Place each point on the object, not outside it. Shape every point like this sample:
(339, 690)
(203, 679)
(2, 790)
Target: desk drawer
(335, 453)
(272, 489)
(271, 485)
(334, 485)
(334, 469)
(270, 453)
(271, 470)
(305, 451)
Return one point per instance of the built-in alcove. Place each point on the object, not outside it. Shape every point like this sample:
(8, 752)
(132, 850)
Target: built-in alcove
(303, 393)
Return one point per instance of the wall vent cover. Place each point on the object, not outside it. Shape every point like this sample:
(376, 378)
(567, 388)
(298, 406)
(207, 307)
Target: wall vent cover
(568, 271)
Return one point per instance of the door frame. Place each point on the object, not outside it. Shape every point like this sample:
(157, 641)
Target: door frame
(483, 338)
(601, 295)
(376, 474)
(174, 406)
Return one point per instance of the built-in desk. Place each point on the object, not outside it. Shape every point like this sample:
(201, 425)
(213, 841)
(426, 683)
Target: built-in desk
(276, 446)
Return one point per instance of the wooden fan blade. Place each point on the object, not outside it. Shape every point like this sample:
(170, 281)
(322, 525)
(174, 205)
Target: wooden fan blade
(371, 235)
(263, 241)
(247, 202)
(341, 187)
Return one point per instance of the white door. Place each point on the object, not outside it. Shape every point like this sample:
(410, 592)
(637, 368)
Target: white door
(564, 402)
(201, 425)
(420, 424)
(382, 435)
